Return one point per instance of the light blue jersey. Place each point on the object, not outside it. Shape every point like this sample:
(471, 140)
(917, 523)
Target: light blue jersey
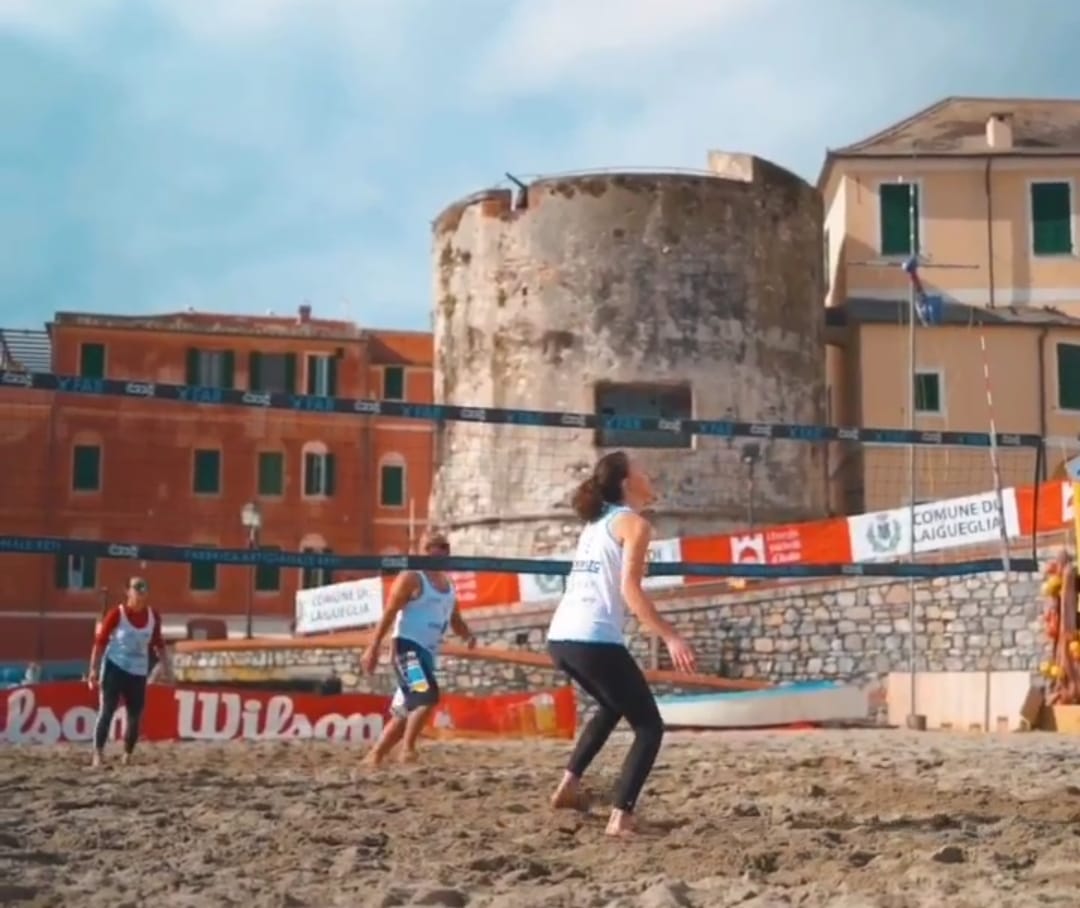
(592, 609)
(424, 620)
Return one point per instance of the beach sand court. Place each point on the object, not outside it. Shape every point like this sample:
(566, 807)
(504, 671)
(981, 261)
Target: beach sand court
(847, 819)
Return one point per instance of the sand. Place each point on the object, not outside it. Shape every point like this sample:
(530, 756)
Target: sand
(865, 818)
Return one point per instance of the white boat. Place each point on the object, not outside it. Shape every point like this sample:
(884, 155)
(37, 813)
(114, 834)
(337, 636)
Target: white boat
(786, 704)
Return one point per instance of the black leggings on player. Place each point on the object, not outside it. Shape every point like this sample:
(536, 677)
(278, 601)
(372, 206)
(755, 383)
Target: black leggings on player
(608, 673)
(116, 685)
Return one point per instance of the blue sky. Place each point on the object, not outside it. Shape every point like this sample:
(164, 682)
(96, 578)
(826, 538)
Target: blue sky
(247, 155)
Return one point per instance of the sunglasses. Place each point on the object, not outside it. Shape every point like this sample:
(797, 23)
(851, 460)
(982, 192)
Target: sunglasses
(140, 587)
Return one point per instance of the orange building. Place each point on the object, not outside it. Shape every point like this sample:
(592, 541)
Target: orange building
(76, 465)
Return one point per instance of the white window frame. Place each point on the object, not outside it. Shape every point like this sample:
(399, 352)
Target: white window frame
(322, 452)
(323, 365)
(210, 368)
(74, 572)
(942, 399)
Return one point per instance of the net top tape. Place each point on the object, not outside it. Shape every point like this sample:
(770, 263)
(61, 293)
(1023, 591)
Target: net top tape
(437, 413)
(41, 545)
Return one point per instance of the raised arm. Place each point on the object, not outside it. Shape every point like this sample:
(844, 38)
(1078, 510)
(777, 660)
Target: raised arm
(634, 532)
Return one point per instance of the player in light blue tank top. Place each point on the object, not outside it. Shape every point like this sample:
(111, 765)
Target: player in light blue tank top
(421, 606)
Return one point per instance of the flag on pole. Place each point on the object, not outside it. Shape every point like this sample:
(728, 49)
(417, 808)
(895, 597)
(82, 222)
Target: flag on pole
(928, 307)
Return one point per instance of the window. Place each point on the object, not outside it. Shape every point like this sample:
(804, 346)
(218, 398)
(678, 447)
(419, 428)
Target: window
(322, 375)
(272, 372)
(207, 479)
(928, 392)
(622, 403)
(75, 572)
(211, 368)
(895, 201)
(1068, 376)
(268, 576)
(393, 383)
(203, 577)
(318, 474)
(392, 485)
(92, 360)
(1051, 219)
(312, 577)
(271, 473)
(86, 468)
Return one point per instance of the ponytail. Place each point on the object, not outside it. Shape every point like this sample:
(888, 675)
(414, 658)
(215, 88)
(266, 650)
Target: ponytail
(588, 500)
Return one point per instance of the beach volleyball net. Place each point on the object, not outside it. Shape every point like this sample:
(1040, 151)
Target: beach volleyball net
(103, 471)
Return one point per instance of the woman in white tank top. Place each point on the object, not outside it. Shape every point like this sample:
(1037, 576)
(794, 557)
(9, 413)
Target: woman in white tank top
(585, 637)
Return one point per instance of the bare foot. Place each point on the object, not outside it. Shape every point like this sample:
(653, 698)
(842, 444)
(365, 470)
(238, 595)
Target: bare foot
(409, 756)
(373, 760)
(126, 759)
(95, 761)
(621, 824)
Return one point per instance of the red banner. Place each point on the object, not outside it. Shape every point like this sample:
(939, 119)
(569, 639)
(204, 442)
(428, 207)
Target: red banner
(67, 711)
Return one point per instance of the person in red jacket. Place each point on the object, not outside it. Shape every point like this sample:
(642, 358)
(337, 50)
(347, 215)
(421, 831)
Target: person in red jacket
(120, 664)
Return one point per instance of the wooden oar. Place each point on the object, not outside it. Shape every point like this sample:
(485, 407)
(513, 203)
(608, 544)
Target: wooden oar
(360, 639)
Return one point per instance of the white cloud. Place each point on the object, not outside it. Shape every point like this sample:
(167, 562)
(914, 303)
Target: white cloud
(544, 46)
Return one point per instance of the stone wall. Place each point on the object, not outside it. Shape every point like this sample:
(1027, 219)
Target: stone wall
(851, 630)
(591, 282)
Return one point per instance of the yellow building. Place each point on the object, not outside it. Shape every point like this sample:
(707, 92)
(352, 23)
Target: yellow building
(984, 190)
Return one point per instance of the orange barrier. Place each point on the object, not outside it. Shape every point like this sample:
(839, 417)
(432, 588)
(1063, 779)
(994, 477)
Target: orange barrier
(360, 639)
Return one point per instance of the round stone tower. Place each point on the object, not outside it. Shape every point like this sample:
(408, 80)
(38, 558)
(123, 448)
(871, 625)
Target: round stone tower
(641, 294)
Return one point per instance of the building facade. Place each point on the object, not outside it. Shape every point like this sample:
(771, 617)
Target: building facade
(984, 191)
(128, 470)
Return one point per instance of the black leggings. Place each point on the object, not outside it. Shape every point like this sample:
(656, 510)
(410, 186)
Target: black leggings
(608, 673)
(116, 685)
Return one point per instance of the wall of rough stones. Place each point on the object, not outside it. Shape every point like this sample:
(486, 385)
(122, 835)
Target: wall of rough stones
(851, 630)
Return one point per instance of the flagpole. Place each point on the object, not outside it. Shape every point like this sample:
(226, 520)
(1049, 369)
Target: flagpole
(915, 720)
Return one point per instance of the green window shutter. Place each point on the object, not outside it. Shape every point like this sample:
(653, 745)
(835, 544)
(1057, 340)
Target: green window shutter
(1068, 376)
(1051, 219)
(86, 468)
(255, 372)
(92, 361)
(393, 383)
(895, 211)
(192, 366)
(328, 467)
(271, 473)
(203, 576)
(228, 370)
(207, 479)
(309, 474)
(267, 576)
(331, 376)
(290, 373)
(89, 573)
(393, 486)
(61, 572)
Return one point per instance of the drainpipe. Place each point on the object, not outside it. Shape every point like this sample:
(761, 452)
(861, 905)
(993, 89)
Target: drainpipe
(990, 230)
(1042, 396)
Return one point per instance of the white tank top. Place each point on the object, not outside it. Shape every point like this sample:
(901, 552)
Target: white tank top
(592, 609)
(424, 619)
(129, 646)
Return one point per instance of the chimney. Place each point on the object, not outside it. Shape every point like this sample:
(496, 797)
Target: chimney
(999, 133)
(305, 314)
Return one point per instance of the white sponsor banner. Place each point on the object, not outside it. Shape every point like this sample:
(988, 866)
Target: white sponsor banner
(545, 587)
(946, 524)
(354, 603)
